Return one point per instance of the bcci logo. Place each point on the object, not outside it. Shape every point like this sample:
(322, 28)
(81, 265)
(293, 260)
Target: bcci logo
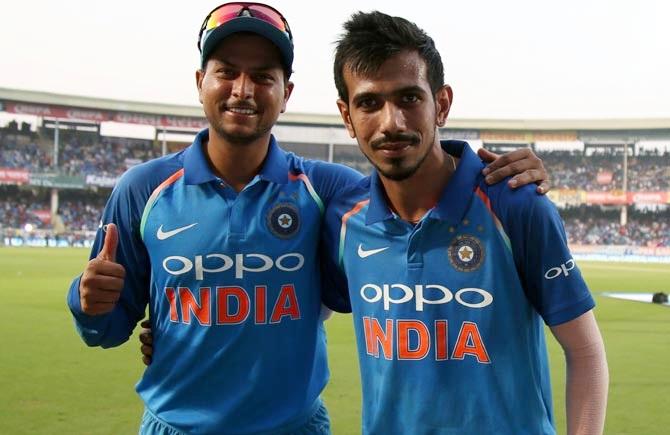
(283, 220)
(466, 253)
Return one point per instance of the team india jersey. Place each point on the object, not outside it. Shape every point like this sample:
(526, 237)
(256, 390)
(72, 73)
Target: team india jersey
(232, 283)
(449, 313)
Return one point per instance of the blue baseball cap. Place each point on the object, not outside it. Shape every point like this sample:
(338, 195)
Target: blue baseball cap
(237, 17)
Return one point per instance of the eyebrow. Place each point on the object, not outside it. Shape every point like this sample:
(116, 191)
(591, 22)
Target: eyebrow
(405, 90)
(260, 68)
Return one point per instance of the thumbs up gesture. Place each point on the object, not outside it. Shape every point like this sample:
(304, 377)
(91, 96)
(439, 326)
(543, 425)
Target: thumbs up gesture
(102, 281)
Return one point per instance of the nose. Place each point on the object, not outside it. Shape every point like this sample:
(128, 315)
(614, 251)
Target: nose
(243, 87)
(392, 119)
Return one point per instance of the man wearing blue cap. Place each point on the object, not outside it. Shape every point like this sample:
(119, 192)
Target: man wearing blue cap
(224, 236)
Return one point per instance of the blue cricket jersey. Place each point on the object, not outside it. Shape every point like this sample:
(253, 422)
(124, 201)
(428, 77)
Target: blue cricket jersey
(449, 313)
(232, 282)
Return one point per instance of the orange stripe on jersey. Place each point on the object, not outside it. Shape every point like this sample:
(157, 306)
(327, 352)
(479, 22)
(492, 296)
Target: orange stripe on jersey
(480, 193)
(154, 195)
(343, 229)
(487, 202)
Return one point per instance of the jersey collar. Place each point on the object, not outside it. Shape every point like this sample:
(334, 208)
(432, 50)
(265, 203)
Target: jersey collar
(378, 209)
(455, 198)
(275, 167)
(197, 170)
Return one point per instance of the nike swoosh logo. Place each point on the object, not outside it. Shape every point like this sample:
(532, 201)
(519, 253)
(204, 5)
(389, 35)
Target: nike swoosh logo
(162, 235)
(366, 253)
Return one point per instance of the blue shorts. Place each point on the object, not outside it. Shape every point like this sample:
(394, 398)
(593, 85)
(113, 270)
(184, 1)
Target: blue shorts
(318, 424)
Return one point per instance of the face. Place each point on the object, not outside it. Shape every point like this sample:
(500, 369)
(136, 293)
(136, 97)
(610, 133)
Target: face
(394, 115)
(243, 88)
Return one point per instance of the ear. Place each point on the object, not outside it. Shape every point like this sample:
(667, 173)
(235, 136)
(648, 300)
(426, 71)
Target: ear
(199, 76)
(346, 117)
(443, 99)
(288, 89)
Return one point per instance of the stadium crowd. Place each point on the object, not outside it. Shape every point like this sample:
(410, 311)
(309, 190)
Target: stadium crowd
(19, 210)
(18, 151)
(78, 211)
(79, 154)
(593, 226)
(604, 171)
(105, 156)
(82, 153)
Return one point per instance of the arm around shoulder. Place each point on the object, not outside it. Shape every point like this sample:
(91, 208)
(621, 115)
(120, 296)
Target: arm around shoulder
(330, 179)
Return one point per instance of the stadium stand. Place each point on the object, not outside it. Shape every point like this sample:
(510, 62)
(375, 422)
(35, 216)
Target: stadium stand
(92, 154)
(594, 226)
(18, 209)
(19, 150)
(56, 174)
(647, 171)
(79, 211)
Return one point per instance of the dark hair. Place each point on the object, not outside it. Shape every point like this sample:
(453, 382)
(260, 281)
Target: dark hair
(371, 38)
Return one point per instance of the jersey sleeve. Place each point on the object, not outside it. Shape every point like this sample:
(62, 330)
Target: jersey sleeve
(124, 208)
(550, 277)
(335, 288)
(329, 179)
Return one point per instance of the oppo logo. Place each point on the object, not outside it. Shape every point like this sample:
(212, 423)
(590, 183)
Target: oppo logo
(240, 263)
(421, 294)
(562, 270)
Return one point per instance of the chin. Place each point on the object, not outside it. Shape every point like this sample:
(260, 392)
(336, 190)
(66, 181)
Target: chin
(397, 173)
(239, 136)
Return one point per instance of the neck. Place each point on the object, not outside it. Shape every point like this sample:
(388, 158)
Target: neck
(236, 163)
(413, 197)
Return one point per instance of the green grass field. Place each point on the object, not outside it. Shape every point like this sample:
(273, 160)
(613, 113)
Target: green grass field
(51, 383)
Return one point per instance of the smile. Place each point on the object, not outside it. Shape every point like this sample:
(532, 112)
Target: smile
(394, 149)
(394, 146)
(241, 110)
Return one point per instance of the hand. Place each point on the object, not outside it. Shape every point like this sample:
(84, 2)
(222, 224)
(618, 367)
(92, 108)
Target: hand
(147, 342)
(102, 281)
(522, 163)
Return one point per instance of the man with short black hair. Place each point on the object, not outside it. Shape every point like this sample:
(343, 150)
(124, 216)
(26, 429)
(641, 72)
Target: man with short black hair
(449, 279)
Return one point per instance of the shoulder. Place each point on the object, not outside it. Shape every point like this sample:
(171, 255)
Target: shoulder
(319, 169)
(327, 179)
(144, 178)
(351, 196)
(509, 204)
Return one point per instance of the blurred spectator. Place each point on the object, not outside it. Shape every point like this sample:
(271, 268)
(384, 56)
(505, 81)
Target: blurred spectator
(19, 151)
(108, 156)
(604, 171)
(80, 153)
(593, 226)
(80, 211)
(83, 152)
(17, 209)
(82, 214)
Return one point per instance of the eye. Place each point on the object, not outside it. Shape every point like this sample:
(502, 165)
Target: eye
(410, 98)
(264, 78)
(226, 73)
(367, 103)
